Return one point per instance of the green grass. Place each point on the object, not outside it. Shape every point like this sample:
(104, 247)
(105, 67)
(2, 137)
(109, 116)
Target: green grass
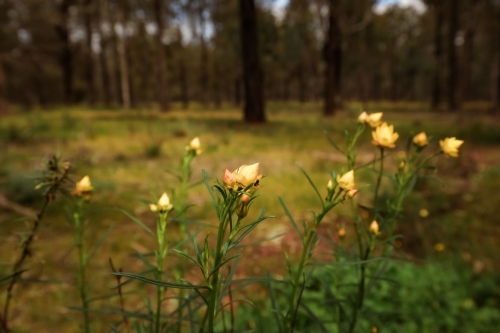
(127, 155)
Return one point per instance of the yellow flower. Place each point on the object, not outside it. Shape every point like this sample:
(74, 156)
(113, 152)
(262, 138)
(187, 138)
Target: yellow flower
(242, 177)
(163, 205)
(247, 174)
(346, 182)
(363, 117)
(374, 228)
(450, 146)
(83, 186)
(420, 140)
(195, 146)
(352, 193)
(329, 186)
(384, 136)
(374, 119)
(439, 247)
(424, 212)
(341, 233)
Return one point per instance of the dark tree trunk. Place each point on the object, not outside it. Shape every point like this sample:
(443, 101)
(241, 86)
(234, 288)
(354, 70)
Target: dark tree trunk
(89, 66)
(252, 72)
(467, 88)
(453, 91)
(184, 83)
(495, 82)
(3, 89)
(438, 50)
(122, 57)
(66, 55)
(161, 57)
(237, 90)
(301, 77)
(204, 79)
(105, 80)
(332, 49)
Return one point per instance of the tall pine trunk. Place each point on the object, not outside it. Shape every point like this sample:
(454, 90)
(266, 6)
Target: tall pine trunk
(122, 56)
(3, 89)
(331, 53)
(89, 65)
(453, 84)
(252, 71)
(438, 50)
(161, 59)
(65, 58)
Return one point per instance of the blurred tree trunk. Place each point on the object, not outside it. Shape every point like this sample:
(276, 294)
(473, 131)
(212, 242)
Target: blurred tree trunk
(3, 88)
(103, 18)
(89, 65)
(252, 71)
(204, 79)
(66, 55)
(453, 84)
(181, 62)
(237, 90)
(122, 55)
(495, 40)
(438, 31)
(161, 59)
(332, 50)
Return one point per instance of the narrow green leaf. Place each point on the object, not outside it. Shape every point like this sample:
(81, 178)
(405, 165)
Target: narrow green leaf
(190, 258)
(8, 277)
(133, 218)
(221, 264)
(312, 184)
(334, 144)
(290, 217)
(98, 245)
(159, 283)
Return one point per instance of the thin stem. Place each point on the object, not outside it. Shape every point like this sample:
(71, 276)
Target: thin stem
(160, 257)
(379, 179)
(82, 265)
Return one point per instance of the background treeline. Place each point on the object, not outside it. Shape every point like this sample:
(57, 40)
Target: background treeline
(144, 53)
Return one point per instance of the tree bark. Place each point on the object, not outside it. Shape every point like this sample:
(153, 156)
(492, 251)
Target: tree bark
(161, 58)
(453, 84)
(89, 65)
(3, 89)
(252, 72)
(438, 28)
(332, 50)
(122, 55)
(66, 55)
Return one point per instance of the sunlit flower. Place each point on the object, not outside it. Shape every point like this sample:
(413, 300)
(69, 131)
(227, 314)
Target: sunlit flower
(384, 136)
(363, 117)
(163, 205)
(247, 174)
(195, 146)
(420, 140)
(242, 177)
(374, 228)
(84, 186)
(374, 119)
(346, 182)
(450, 146)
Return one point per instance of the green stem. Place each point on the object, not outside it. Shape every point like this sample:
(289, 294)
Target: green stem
(379, 179)
(82, 267)
(212, 302)
(160, 257)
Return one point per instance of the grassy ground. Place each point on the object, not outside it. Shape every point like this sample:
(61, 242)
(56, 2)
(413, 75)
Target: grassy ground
(128, 156)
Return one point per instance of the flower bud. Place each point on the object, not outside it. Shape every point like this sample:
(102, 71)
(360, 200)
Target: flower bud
(163, 204)
(374, 228)
(363, 117)
(195, 146)
(352, 193)
(329, 186)
(420, 140)
(341, 233)
(83, 187)
(245, 198)
(374, 119)
(242, 210)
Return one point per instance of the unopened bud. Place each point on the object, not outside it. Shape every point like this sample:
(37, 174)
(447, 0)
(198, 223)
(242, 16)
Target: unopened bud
(374, 228)
(242, 210)
(352, 193)
(341, 233)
